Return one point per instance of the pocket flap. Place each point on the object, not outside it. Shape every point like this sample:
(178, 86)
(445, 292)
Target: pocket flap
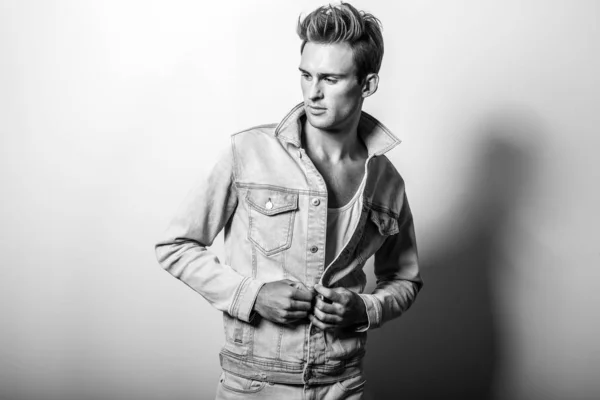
(272, 202)
(386, 224)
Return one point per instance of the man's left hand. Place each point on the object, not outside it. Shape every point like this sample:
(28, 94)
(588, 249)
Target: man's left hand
(337, 308)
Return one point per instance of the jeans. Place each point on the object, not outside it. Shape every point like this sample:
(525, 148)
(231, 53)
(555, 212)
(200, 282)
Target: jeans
(234, 387)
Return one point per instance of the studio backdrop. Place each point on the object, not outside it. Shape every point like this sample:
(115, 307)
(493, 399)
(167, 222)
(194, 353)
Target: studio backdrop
(109, 111)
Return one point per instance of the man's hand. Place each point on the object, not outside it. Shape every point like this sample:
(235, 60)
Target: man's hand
(284, 302)
(337, 308)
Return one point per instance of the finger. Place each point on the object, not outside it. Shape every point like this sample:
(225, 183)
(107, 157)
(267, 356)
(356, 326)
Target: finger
(303, 295)
(295, 315)
(298, 285)
(327, 318)
(335, 308)
(331, 294)
(319, 324)
(297, 305)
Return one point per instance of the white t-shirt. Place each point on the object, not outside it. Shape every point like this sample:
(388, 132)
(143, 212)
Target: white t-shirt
(341, 223)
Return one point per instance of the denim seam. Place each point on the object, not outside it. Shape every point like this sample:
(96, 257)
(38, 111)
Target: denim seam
(262, 126)
(238, 296)
(310, 192)
(293, 367)
(275, 210)
(235, 171)
(278, 249)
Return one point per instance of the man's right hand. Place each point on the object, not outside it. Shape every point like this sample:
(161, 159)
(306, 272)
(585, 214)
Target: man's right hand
(284, 302)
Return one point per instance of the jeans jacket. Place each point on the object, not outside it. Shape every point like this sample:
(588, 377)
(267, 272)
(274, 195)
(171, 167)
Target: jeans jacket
(271, 201)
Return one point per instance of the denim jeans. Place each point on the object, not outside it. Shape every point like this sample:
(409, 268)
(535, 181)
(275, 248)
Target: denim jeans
(234, 387)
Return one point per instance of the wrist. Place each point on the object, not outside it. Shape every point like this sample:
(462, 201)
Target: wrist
(258, 301)
(362, 317)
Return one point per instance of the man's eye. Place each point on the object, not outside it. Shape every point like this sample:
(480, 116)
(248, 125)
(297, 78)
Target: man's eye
(330, 80)
(305, 76)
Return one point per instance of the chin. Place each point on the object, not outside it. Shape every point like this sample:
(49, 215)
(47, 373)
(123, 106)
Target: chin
(319, 122)
(320, 125)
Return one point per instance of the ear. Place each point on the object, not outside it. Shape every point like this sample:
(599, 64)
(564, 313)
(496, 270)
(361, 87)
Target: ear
(370, 85)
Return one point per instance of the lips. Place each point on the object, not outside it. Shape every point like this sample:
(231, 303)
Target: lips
(316, 110)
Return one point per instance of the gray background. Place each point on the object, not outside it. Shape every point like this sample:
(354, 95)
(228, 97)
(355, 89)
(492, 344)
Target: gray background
(109, 110)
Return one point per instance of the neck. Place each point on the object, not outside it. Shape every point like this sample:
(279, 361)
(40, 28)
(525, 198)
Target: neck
(333, 145)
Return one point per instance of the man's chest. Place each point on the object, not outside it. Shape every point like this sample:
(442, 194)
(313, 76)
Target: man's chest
(342, 180)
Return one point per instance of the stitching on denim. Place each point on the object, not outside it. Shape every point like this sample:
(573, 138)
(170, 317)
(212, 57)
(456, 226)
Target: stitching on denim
(279, 340)
(274, 210)
(254, 262)
(234, 170)
(285, 246)
(271, 125)
(352, 389)
(368, 118)
(271, 363)
(383, 209)
(285, 122)
(283, 265)
(352, 246)
(395, 140)
(280, 189)
(232, 307)
(245, 391)
(242, 292)
(377, 312)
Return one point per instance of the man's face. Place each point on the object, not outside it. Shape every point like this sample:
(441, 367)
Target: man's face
(331, 91)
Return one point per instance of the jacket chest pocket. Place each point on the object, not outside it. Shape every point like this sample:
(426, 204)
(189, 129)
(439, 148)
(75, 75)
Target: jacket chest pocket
(271, 219)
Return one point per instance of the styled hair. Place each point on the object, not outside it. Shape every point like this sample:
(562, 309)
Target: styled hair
(344, 23)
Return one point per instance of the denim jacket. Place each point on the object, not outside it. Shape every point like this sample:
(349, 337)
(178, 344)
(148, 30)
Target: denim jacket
(272, 204)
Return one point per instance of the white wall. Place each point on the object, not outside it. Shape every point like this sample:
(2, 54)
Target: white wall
(108, 110)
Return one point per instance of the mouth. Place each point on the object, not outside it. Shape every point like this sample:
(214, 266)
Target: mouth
(316, 110)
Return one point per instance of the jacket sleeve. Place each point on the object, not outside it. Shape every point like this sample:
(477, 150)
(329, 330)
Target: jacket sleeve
(397, 273)
(183, 249)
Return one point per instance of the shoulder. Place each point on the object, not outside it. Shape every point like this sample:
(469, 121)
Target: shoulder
(255, 141)
(386, 172)
(388, 190)
(256, 132)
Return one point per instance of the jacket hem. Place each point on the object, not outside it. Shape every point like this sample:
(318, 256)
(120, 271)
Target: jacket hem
(277, 371)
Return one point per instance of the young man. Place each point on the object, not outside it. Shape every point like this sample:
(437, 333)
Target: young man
(304, 204)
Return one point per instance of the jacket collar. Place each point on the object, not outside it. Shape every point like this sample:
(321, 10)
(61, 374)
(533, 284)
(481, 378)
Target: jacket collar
(376, 137)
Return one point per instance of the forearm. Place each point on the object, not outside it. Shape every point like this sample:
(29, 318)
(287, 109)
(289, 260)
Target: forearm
(389, 300)
(201, 270)
(397, 273)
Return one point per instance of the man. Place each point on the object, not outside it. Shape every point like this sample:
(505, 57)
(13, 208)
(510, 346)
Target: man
(304, 204)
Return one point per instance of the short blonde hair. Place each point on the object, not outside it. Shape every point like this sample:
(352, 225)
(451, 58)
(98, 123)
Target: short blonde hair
(344, 23)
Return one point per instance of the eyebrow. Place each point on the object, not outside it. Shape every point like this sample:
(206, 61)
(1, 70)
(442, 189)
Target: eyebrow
(324, 75)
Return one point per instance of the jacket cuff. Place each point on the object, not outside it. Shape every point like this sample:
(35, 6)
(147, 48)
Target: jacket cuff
(243, 302)
(373, 309)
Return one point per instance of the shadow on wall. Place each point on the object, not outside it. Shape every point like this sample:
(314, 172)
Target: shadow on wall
(448, 345)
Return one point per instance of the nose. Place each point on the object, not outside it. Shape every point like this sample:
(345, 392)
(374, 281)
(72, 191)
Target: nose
(315, 92)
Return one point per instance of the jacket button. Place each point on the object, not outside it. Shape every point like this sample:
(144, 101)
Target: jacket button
(314, 249)
(315, 202)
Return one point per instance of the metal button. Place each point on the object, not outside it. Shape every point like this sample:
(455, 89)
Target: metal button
(269, 205)
(315, 202)
(314, 249)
